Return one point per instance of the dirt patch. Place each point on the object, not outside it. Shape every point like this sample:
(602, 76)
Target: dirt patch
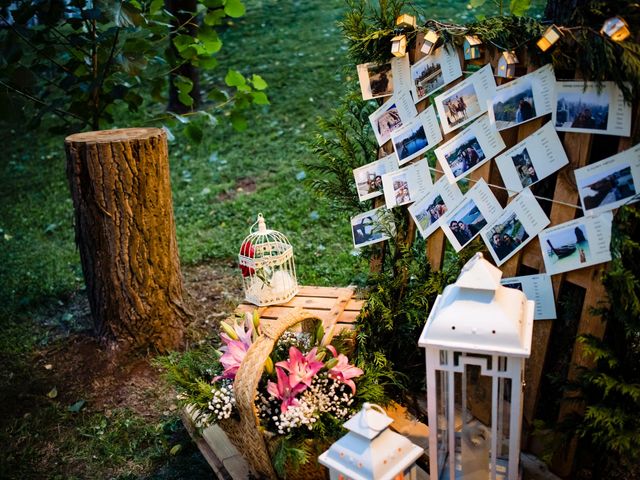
(244, 185)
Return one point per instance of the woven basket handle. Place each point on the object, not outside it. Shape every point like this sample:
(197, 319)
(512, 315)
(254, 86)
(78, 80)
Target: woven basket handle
(246, 385)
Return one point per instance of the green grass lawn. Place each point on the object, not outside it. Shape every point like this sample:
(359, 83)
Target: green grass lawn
(218, 187)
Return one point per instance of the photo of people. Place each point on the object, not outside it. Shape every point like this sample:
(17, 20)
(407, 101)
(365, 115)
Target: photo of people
(464, 154)
(515, 286)
(369, 177)
(427, 76)
(389, 121)
(607, 187)
(409, 143)
(466, 223)
(512, 106)
(524, 167)
(376, 80)
(431, 213)
(369, 227)
(567, 249)
(506, 236)
(583, 110)
(401, 189)
(461, 106)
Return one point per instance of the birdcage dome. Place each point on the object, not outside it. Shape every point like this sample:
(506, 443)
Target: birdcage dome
(267, 266)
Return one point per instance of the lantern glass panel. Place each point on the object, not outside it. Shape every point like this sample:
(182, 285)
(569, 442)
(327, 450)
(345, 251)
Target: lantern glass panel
(442, 403)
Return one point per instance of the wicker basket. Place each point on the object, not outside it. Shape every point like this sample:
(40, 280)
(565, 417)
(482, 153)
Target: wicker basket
(246, 434)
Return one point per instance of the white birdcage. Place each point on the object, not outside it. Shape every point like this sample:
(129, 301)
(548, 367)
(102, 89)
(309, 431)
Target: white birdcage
(267, 266)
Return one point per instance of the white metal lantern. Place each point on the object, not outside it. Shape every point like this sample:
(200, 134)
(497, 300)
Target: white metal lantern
(267, 266)
(370, 450)
(477, 337)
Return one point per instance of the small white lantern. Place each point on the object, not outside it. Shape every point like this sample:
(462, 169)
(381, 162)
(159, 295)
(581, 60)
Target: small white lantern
(406, 21)
(370, 450)
(477, 337)
(399, 46)
(268, 269)
(616, 28)
(430, 40)
(507, 65)
(472, 47)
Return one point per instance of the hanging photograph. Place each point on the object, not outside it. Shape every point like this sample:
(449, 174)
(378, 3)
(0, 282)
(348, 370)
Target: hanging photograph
(464, 102)
(610, 183)
(392, 115)
(372, 227)
(417, 136)
(586, 108)
(537, 288)
(524, 98)
(577, 244)
(536, 157)
(468, 150)
(381, 79)
(369, 177)
(432, 72)
(430, 209)
(478, 207)
(407, 184)
(518, 224)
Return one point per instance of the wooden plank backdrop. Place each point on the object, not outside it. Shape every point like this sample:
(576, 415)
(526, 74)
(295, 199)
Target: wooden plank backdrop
(561, 188)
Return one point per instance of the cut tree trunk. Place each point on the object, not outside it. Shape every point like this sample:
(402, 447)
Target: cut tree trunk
(125, 231)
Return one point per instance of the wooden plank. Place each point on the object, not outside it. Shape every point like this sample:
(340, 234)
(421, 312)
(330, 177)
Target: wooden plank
(312, 291)
(354, 305)
(205, 449)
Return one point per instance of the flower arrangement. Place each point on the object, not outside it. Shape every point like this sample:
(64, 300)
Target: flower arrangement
(307, 390)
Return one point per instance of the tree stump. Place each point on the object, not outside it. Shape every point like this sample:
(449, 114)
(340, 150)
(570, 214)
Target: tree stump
(125, 231)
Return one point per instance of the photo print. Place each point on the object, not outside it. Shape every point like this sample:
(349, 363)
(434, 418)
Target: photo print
(417, 136)
(466, 101)
(577, 244)
(372, 227)
(468, 150)
(392, 115)
(518, 224)
(524, 98)
(433, 72)
(407, 184)
(583, 107)
(537, 288)
(428, 211)
(478, 207)
(381, 79)
(610, 183)
(369, 177)
(536, 157)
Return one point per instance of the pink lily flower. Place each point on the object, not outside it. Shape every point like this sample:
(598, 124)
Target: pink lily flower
(284, 391)
(342, 371)
(301, 368)
(235, 350)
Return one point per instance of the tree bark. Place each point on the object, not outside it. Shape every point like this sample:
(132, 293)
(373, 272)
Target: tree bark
(183, 22)
(125, 231)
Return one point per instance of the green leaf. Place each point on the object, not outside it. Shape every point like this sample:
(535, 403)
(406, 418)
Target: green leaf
(185, 98)
(53, 393)
(234, 79)
(519, 7)
(239, 122)
(218, 95)
(156, 6)
(76, 407)
(260, 98)
(214, 18)
(182, 42)
(208, 63)
(234, 8)
(193, 133)
(477, 3)
(209, 38)
(127, 15)
(258, 82)
(175, 449)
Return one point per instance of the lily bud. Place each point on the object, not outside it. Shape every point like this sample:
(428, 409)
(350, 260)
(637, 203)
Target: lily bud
(331, 363)
(320, 356)
(256, 319)
(268, 366)
(229, 330)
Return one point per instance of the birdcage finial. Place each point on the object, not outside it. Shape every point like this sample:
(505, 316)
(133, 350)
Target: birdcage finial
(261, 225)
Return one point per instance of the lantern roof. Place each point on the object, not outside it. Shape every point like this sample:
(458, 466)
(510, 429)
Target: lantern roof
(370, 450)
(472, 40)
(509, 57)
(477, 314)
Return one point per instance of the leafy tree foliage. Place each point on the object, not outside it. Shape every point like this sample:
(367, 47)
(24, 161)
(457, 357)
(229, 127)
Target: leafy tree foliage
(83, 61)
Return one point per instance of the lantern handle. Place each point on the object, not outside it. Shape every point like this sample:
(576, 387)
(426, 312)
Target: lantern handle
(261, 225)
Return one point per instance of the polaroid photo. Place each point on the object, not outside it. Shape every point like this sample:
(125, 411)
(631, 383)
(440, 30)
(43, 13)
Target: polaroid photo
(372, 227)
(610, 183)
(392, 115)
(416, 137)
(431, 73)
(537, 288)
(465, 101)
(478, 208)
(379, 80)
(577, 244)
(475, 145)
(407, 184)
(516, 226)
(583, 107)
(369, 177)
(524, 98)
(536, 157)
(428, 211)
